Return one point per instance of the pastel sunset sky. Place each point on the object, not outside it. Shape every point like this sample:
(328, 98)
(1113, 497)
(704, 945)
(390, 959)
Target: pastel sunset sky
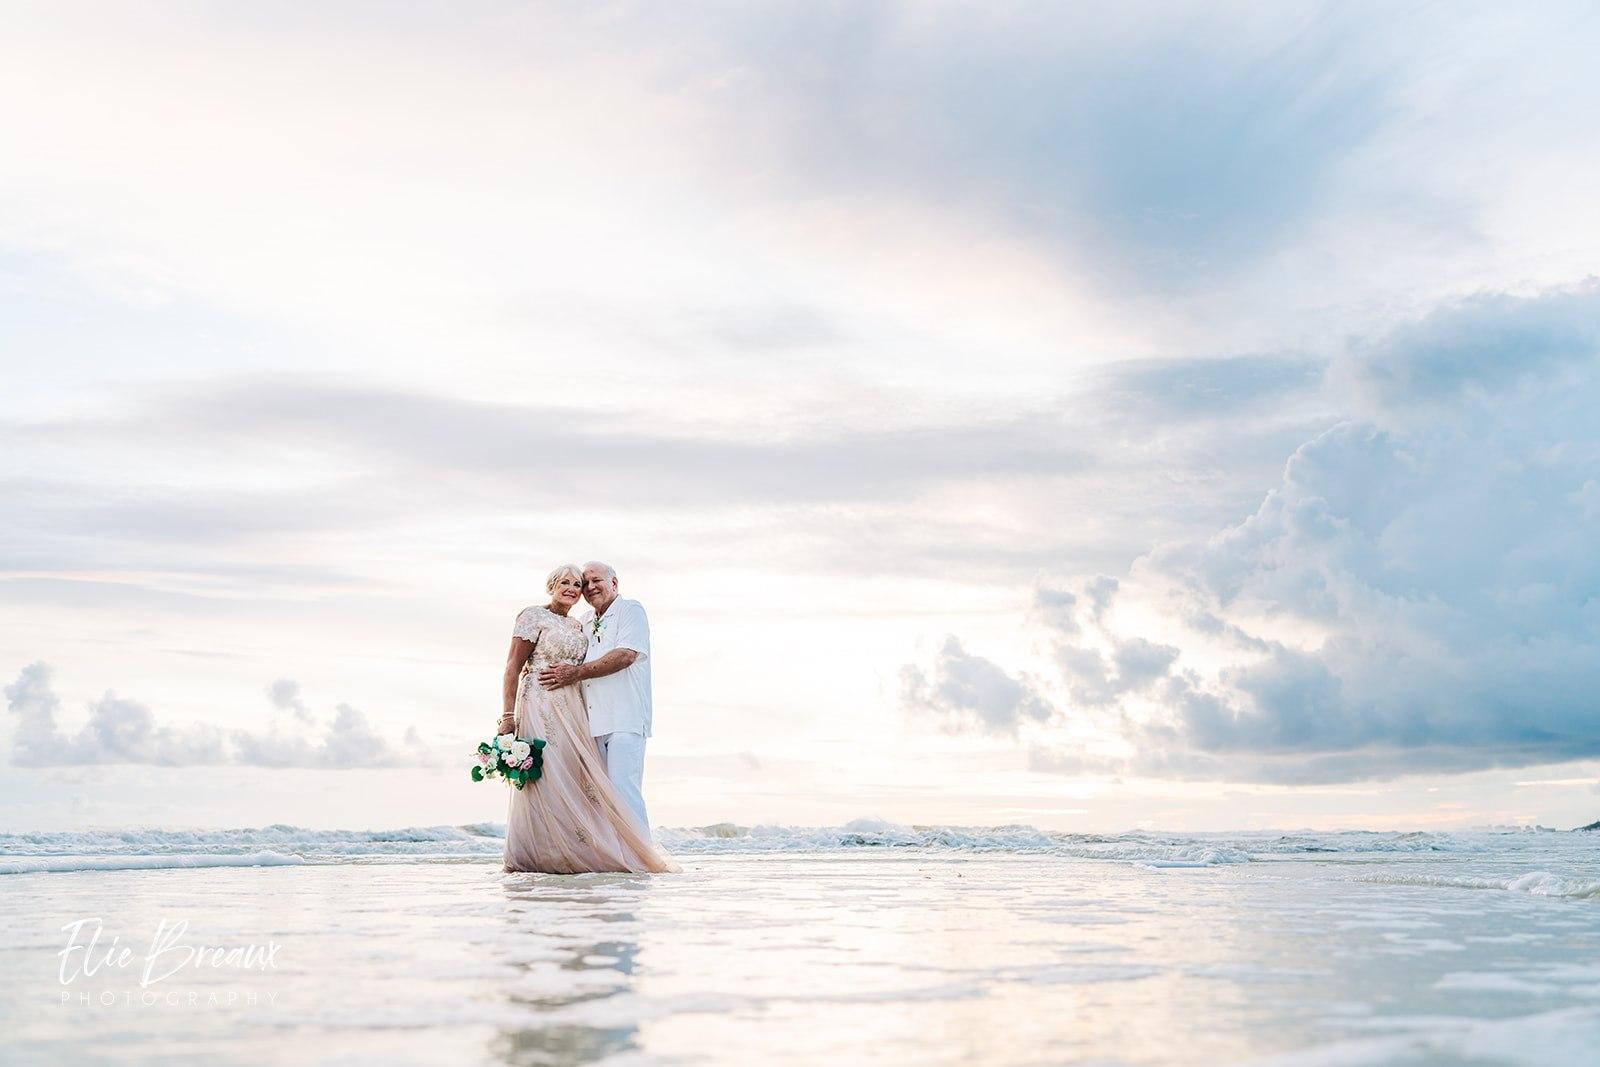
(1092, 416)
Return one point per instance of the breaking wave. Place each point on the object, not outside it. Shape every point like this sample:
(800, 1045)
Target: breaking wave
(1535, 883)
(279, 843)
(42, 864)
(1151, 850)
(125, 849)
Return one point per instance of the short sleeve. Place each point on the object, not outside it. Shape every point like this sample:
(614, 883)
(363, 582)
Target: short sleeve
(633, 630)
(527, 626)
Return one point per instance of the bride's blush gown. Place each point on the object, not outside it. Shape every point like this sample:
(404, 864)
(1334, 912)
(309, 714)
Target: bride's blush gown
(570, 821)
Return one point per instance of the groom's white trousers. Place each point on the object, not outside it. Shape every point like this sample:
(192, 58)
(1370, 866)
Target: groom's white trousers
(624, 756)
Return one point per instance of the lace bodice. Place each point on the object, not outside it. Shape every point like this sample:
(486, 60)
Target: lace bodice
(556, 638)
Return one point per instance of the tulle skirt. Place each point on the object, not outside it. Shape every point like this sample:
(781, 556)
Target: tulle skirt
(571, 821)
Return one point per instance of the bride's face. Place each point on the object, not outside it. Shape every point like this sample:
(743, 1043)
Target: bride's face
(568, 590)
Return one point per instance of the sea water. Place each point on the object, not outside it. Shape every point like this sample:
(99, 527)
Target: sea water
(868, 943)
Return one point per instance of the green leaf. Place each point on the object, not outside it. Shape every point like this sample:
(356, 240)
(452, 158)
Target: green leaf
(477, 774)
(483, 748)
(537, 743)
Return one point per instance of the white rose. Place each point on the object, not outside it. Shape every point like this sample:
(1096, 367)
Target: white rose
(519, 752)
(505, 741)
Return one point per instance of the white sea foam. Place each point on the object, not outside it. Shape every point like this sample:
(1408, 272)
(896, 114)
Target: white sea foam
(59, 864)
(418, 841)
(1537, 883)
(1367, 841)
(1152, 850)
(485, 842)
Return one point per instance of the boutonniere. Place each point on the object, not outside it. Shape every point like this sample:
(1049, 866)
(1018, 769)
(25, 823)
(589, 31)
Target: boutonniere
(598, 624)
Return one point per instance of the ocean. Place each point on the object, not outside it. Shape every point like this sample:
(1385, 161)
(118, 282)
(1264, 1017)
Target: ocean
(868, 943)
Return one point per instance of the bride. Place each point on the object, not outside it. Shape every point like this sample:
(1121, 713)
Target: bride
(569, 821)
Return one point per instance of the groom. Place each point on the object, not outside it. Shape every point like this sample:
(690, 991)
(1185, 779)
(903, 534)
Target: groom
(616, 683)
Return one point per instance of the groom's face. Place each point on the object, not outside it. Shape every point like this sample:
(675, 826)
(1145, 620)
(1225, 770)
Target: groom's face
(598, 589)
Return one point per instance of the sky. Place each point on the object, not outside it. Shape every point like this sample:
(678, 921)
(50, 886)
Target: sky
(1162, 416)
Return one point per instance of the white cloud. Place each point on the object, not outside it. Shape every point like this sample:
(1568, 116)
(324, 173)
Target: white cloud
(1418, 596)
(123, 731)
(34, 704)
(267, 461)
(285, 696)
(1480, 347)
(964, 690)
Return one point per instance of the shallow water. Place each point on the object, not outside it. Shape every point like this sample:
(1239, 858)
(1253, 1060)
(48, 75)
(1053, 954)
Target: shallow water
(810, 946)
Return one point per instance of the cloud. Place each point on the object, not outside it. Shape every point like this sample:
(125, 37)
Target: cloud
(1482, 345)
(1097, 668)
(1057, 608)
(1421, 595)
(285, 696)
(485, 447)
(268, 460)
(34, 704)
(124, 731)
(968, 691)
(118, 731)
(1169, 390)
(1170, 149)
(350, 741)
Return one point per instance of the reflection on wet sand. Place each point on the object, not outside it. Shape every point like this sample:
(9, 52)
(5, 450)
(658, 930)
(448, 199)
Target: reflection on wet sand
(552, 925)
(884, 957)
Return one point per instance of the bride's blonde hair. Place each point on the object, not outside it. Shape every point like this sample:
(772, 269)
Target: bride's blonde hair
(566, 570)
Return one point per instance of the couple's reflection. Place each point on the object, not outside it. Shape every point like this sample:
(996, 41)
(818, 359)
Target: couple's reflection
(573, 941)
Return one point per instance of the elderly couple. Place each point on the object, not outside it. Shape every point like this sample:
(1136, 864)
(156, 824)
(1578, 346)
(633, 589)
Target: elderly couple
(582, 685)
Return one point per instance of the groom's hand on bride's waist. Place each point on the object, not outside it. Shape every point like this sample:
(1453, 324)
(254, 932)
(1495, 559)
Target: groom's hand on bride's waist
(558, 675)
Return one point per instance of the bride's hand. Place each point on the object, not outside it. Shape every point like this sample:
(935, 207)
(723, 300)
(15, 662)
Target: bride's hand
(508, 725)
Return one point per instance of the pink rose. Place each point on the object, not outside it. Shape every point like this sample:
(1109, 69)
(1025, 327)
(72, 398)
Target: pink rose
(483, 757)
(527, 764)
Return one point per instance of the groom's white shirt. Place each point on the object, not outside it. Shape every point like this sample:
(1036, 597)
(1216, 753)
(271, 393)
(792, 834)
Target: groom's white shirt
(620, 702)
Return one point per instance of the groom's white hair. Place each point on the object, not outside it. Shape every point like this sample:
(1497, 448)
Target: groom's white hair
(605, 569)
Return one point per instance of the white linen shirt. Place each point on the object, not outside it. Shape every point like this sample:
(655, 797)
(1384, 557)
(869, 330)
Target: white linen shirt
(620, 702)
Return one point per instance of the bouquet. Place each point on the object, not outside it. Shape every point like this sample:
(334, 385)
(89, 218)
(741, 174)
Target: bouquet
(511, 758)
